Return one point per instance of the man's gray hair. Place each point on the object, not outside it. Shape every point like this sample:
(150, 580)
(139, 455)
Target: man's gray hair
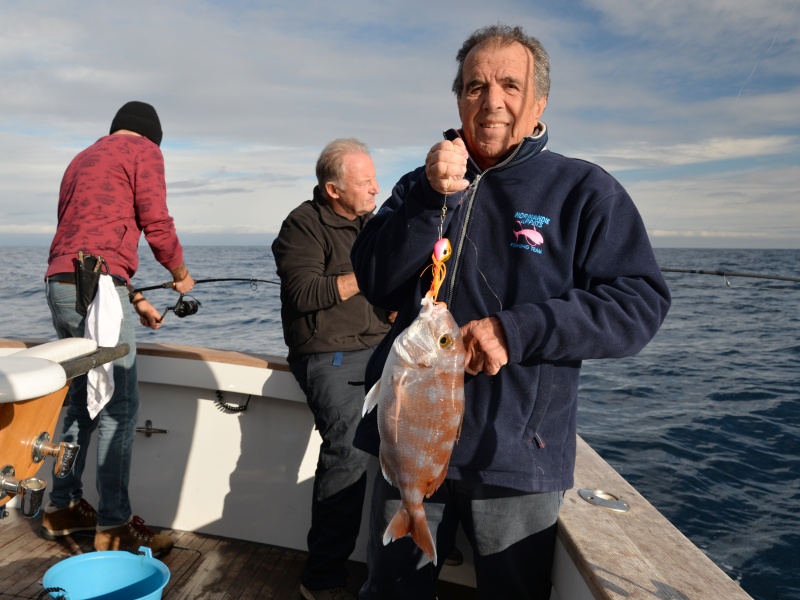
(330, 164)
(504, 35)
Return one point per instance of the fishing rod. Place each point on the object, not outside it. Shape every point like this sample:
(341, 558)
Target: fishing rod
(726, 274)
(184, 308)
(171, 284)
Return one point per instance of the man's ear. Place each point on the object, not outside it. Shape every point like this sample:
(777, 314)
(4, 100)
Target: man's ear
(539, 107)
(331, 190)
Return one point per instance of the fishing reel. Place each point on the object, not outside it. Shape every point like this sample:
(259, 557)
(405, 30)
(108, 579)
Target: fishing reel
(183, 308)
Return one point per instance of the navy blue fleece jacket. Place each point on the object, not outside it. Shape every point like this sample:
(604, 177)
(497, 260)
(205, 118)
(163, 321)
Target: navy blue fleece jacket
(556, 250)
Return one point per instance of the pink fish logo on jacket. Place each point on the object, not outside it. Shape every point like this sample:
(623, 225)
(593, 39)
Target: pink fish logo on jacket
(531, 236)
(420, 399)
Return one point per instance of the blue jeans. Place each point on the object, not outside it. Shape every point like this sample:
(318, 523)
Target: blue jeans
(512, 534)
(115, 425)
(334, 386)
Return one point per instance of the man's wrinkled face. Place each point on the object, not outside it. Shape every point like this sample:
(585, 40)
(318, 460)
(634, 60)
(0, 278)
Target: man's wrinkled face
(498, 105)
(356, 197)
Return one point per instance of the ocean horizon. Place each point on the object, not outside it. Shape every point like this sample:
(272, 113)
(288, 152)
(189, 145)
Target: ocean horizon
(189, 239)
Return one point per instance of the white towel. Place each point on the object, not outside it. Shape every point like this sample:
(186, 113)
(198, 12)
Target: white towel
(103, 324)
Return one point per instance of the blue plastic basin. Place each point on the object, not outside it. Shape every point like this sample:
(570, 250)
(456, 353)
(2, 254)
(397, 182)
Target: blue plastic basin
(109, 575)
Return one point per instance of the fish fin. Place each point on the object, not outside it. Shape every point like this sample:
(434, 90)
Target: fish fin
(434, 483)
(386, 475)
(399, 382)
(417, 525)
(422, 535)
(371, 399)
(399, 526)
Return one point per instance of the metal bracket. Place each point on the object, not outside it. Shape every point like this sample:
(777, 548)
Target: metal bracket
(148, 429)
(604, 500)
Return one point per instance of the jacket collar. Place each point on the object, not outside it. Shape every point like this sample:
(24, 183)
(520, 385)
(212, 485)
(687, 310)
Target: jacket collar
(529, 147)
(329, 217)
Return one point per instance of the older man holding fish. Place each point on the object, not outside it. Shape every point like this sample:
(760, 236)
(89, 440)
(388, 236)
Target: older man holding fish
(551, 265)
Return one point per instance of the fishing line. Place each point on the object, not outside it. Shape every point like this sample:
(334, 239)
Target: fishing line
(726, 274)
(486, 281)
(461, 216)
(755, 66)
(751, 287)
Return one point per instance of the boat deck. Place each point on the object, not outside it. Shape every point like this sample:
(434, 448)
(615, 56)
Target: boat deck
(202, 567)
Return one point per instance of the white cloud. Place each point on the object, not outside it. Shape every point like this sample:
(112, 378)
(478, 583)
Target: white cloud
(664, 95)
(753, 207)
(646, 154)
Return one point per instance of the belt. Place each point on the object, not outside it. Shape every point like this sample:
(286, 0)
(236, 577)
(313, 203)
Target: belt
(70, 278)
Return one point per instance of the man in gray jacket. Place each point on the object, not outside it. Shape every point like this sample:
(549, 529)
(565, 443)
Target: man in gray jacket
(331, 330)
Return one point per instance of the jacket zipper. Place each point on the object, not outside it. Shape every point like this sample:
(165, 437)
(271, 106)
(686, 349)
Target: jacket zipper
(460, 245)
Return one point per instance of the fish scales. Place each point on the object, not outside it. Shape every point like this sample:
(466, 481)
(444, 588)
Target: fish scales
(420, 400)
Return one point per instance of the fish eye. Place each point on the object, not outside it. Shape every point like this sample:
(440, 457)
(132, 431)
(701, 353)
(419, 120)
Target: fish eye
(445, 341)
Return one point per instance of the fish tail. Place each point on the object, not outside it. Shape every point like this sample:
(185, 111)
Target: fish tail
(399, 526)
(422, 535)
(414, 523)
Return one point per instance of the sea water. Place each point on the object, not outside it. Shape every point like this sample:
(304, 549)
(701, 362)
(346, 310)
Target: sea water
(704, 422)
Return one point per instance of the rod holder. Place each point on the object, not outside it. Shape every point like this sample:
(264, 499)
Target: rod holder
(30, 491)
(64, 453)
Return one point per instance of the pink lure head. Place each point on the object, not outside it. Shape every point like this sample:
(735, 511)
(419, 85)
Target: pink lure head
(442, 250)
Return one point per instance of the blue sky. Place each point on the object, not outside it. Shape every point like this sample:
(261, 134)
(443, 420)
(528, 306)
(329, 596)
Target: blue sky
(693, 106)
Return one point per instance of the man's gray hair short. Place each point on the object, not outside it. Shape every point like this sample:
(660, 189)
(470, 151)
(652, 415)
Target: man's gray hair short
(330, 164)
(505, 35)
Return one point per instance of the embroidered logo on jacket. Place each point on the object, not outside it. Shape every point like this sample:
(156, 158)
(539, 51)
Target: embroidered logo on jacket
(526, 234)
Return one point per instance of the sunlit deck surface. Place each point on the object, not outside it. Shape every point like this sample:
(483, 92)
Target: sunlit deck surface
(201, 566)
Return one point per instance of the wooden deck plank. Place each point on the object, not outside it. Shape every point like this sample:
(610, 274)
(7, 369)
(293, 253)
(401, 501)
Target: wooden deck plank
(12, 530)
(182, 558)
(198, 570)
(249, 572)
(289, 569)
(230, 558)
(27, 568)
(220, 569)
(25, 557)
(262, 574)
(274, 581)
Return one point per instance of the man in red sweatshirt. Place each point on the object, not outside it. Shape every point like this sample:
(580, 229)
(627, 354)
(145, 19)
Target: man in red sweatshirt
(111, 192)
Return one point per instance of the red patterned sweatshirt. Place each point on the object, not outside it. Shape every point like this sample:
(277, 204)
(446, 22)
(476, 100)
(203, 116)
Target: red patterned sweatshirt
(110, 193)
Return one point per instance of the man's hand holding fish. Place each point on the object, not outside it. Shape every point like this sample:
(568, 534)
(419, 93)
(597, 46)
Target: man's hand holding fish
(485, 346)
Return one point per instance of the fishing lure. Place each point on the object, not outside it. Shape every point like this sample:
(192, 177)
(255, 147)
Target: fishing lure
(441, 252)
